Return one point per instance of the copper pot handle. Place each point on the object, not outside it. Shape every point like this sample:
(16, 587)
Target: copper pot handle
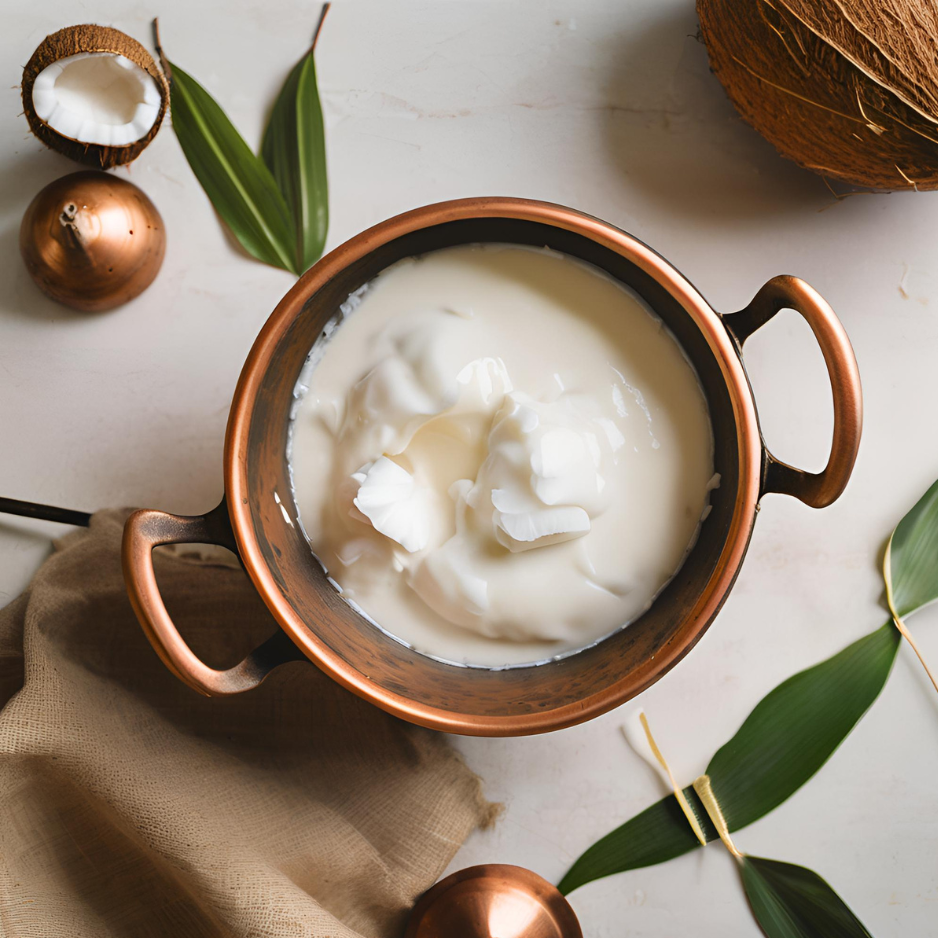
(147, 529)
(817, 489)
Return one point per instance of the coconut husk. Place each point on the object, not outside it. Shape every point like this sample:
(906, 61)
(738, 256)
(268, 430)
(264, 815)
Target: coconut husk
(847, 89)
(71, 41)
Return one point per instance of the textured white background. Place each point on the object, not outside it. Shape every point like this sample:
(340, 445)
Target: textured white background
(608, 107)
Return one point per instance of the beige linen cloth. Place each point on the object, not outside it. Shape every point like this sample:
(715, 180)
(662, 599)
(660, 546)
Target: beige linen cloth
(131, 806)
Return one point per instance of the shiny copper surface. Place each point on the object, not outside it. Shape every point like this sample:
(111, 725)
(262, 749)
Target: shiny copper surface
(493, 901)
(148, 529)
(92, 241)
(514, 701)
(817, 489)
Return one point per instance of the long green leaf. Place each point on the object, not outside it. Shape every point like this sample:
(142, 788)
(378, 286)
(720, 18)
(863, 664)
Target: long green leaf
(793, 902)
(659, 833)
(294, 149)
(236, 181)
(788, 736)
(912, 557)
(794, 730)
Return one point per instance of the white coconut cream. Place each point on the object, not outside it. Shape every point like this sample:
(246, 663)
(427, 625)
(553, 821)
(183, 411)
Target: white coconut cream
(500, 454)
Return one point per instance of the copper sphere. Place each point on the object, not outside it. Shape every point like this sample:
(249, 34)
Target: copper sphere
(92, 241)
(493, 901)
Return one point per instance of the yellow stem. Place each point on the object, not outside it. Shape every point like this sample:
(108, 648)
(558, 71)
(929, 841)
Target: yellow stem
(705, 792)
(896, 618)
(678, 793)
(907, 635)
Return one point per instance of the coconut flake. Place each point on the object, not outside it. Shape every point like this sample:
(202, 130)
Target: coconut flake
(392, 502)
(525, 530)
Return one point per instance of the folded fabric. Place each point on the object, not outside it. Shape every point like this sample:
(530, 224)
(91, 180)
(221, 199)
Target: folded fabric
(132, 806)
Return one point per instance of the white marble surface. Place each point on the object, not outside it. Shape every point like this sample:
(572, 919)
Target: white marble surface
(608, 107)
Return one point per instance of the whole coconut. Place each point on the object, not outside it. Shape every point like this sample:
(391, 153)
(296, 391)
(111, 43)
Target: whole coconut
(846, 88)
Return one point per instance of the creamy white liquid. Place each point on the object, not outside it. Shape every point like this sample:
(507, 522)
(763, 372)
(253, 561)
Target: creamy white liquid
(502, 455)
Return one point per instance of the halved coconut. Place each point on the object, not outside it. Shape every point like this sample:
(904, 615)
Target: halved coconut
(94, 94)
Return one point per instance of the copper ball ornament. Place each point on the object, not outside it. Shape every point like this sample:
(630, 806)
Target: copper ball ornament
(92, 241)
(493, 900)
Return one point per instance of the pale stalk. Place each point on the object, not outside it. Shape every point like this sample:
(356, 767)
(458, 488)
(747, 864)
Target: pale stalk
(705, 792)
(678, 793)
(897, 619)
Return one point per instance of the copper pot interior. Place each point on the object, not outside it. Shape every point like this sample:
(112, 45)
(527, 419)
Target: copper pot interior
(624, 658)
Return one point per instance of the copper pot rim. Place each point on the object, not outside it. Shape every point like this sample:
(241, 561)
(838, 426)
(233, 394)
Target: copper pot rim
(260, 358)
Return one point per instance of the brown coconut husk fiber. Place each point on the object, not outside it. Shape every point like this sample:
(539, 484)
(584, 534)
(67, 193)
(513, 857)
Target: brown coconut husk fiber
(846, 88)
(71, 41)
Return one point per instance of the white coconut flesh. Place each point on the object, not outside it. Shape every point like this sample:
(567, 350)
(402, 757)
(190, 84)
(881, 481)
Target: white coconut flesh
(97, 97)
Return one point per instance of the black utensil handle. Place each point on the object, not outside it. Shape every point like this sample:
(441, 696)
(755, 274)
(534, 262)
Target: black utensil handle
(13, 506)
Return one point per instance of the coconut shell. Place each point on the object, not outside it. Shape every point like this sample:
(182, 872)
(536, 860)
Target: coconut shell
(72, 41)
(846, 88)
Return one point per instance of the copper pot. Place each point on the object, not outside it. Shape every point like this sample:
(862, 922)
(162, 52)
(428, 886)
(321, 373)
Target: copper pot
(257, 517)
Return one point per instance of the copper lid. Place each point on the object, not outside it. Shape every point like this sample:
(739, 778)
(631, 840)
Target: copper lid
(493, 901)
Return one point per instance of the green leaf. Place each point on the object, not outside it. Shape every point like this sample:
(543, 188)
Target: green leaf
(912, 557)
(793, 902)
(794, 730)
(788, 736)
(236, 181)
(294, 149)
(659, 833)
